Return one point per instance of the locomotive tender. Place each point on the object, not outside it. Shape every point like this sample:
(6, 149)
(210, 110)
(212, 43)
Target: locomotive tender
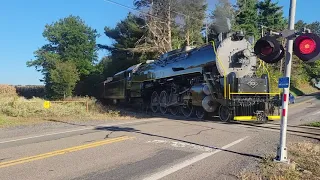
(215, 79)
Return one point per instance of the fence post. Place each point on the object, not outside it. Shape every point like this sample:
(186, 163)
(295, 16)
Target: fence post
(87, 105)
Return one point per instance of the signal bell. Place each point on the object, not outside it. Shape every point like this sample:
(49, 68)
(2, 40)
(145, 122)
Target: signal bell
(269, 49)
(307, 47)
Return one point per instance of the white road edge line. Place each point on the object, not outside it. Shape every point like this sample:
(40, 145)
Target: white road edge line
(75, 130)
(190, 161)
(315, 113)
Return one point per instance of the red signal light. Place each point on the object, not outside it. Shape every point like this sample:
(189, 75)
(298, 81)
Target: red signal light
(266, 50)
(307, 46)
(269, 49)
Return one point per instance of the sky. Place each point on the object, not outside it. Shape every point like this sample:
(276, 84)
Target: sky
(22, 23)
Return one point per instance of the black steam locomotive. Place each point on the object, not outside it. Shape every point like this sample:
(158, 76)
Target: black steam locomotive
(212, 80)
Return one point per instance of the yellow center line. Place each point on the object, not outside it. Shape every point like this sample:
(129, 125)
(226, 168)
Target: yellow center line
(63, 151)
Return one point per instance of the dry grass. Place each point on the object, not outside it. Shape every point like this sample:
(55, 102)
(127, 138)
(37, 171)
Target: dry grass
(305, 164)
(16, 110)
(7, 90)
(6, 121)
(307, 89)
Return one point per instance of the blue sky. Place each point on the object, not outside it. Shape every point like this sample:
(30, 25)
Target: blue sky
(22, 23)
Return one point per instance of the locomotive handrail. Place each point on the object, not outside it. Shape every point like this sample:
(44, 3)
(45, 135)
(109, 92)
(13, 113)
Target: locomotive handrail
(268, 74)
(256, 93)
(229, 92)
(224, 71)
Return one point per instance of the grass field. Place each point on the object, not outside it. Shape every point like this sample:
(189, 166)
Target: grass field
(305, 163)
(16, 110)
(303, 89)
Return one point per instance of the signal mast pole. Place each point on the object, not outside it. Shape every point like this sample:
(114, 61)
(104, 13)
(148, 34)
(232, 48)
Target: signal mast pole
(282, 148)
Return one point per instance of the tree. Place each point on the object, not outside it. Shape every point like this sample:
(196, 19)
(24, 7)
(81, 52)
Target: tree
(73, 41)
(63, 79)
(300, 24)
(171, 24)
(122, 52)
(314, 27)
(192, 12)
(158, 37)
(246, 17)
(271, 15)
(70, 40)
(126, 33)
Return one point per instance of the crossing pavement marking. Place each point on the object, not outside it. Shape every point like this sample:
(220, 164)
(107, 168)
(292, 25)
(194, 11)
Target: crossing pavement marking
(63, 151)
(188, 162)
(316, 113)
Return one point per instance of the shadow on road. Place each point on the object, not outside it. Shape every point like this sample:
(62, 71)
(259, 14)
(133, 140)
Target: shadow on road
(67, 122)
(133, 130)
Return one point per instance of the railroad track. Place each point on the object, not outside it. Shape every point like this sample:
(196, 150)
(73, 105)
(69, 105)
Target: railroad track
(304, 131)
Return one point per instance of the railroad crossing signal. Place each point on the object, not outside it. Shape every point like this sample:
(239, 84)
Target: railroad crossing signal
(269, 49)
(307, 47)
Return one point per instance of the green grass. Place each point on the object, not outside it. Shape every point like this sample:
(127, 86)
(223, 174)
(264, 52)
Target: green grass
(314, 124)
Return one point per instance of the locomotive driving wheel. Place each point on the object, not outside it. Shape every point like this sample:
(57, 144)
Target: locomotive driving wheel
(187, 110)
(154, 102)
(225, 113)
(200, 113)
(174, 110)
(163, 102)
(172, 101)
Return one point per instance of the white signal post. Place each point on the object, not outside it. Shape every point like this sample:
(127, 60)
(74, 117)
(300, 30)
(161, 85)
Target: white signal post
(282, 148)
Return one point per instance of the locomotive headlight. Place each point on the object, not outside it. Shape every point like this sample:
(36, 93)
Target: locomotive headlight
(206, 90)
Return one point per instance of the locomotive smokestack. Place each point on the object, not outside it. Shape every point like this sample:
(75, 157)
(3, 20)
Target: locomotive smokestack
(221, 25)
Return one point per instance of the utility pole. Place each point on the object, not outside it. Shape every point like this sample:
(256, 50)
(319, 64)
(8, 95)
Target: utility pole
(282, 148)
(304, 45)
(281, 61)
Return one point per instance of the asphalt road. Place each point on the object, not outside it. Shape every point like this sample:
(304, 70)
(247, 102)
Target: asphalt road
(157, 148)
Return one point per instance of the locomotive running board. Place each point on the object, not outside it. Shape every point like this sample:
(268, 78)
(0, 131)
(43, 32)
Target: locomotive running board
(254, 118)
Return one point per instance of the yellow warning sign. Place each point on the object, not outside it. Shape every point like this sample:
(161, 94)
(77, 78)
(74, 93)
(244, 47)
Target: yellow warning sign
(46, 104)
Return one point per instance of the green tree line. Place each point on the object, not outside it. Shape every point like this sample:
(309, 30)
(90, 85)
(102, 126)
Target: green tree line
(69, 61)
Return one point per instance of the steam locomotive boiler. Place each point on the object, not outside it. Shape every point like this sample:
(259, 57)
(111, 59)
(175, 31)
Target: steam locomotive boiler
(212, 80)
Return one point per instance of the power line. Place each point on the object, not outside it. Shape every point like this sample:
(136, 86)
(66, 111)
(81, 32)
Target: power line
(130, 8)
(148, 14)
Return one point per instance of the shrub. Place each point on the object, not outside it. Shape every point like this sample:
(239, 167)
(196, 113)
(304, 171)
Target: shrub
(31, 91)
